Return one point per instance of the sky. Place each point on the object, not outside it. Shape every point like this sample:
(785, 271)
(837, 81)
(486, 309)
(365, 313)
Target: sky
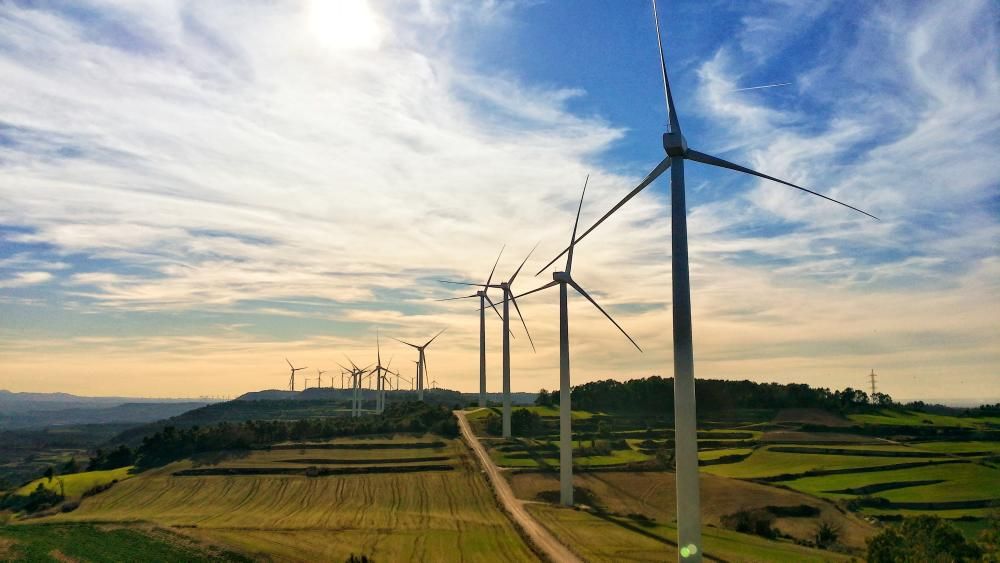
(191, 192)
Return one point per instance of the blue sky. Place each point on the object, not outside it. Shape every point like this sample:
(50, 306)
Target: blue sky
(190, 192)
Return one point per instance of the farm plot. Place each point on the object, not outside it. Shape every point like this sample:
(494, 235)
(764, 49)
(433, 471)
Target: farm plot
(74, 485)
(764, 462)
(956, 482)
(914, 418)
(599, 538)
(524, 453)
(650, 498)
(430, 515)
(971, 447)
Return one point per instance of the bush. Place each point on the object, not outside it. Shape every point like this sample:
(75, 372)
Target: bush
(827, 534)
(525, 423)
(757, 522)
(919, 539)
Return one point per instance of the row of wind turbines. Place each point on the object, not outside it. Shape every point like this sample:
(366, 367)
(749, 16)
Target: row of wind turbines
(686, 453)
(376, 375)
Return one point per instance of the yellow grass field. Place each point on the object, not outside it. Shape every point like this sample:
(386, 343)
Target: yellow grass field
(74, 485)
(425, 516)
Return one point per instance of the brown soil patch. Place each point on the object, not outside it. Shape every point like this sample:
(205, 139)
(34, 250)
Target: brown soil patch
(652, 494)
(60, 556)
(811, 416)
(7, 549)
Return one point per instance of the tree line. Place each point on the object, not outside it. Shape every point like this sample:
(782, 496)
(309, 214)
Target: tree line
(656, 394)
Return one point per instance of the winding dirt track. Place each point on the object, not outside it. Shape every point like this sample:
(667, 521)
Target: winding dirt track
(541, 537)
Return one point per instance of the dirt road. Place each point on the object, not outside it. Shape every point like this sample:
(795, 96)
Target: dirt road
(541, 537)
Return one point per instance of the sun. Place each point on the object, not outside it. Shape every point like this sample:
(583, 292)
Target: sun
(344, 24)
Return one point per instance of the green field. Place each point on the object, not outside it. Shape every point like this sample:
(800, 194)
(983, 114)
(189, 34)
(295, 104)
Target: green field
(958, 447)
(85, 542)
(614, 538)
(915, 418)
(544, 412)
(548, 453)
(767, 463)
(76, 484)
(961, 481)
(707, 455)
(430, 515)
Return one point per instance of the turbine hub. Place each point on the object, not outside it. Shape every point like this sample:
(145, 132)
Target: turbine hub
(561, 277)
(675, 144)
(481, 293)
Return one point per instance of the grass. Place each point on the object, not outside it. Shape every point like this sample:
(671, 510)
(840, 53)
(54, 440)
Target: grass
(767, 463)
(544, 412)
(716, 454)
(958, 447)
(652, 494)
(74, 485)
(961, 481)
(86, 542)
(612, 538)
(391, 517)
(549, 453)
(916, 418)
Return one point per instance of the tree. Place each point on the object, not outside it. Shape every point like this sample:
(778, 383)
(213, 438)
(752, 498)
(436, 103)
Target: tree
(49, 473)
(827, 534)
(543, 399)
(70, 467)
(525, 423)
(920, 539)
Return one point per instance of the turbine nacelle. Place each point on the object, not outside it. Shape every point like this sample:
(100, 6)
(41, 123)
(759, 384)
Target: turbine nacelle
(675, 144)
(562, 277)
(481, 293)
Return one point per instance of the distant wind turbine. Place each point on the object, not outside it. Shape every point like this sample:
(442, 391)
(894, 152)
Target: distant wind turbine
(483, 298)
(685, 429)
(564, 279)
(508, 297)
(421, 363)
(291, 380)
(319, 377)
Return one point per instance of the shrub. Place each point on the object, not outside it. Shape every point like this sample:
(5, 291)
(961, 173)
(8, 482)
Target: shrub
(757, 522)
(919, 539)
(827, 534)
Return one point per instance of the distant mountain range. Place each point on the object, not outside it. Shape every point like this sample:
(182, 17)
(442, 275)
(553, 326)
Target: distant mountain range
(39, 410)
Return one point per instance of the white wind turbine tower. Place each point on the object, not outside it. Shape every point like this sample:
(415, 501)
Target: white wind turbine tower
(421, 363)
(291, 380)
(508, 297)
(319, 377)
(483, 298)
(564, 280)
(685, 429)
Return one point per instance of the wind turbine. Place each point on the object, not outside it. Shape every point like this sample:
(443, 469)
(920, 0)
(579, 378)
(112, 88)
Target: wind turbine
(421, 363)
(686, 452)
(483, 298)
(291, 380)
(564, 279)
(508, 297)
(319, 377)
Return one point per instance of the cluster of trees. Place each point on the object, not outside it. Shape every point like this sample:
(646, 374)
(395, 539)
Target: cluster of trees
(523, 423)
(656, 394)
(928, 538)
(121, 456)
(171, 444)
(39, 499)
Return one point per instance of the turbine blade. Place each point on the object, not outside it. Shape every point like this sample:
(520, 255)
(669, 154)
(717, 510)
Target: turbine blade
(289, 363)
(492, 304)
(537, 289)
(520, 316)
(518, 270)
(653, 175)
(454, 298)
(404, 342)
(675, 126)
(580, 290)
(462, 283)
(572, 238)
(715, 161)
(489, 279)
(435, 336)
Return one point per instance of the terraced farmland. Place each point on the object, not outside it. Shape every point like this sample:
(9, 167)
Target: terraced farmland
(74, 485)
(766, 462)
(432, 514)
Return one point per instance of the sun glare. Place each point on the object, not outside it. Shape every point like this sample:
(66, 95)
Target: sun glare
(344, 24)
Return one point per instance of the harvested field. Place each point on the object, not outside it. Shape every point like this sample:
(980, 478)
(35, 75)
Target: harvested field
(426, 516)
(652, 494)
(599, 538)
(794, 436)
(765, 462)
